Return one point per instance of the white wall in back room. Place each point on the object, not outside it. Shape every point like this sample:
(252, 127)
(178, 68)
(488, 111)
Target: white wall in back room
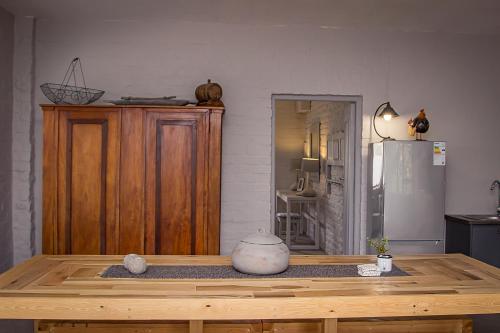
(290, 135)
(456, 77)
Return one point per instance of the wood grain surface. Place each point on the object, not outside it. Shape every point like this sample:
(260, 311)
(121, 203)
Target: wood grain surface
(386, 325)
(141, 179)
(175, 183)
(87, 224)
(97, 106)
(69, 287)
(132, 182)
(214, 183)
(87, 181)
(49, 191)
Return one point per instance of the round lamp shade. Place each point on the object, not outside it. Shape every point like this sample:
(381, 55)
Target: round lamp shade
(388, 112)
(310, 164)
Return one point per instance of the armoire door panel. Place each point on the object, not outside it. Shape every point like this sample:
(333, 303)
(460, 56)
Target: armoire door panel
(175, 160)
(132, 168)
(176, 187)
(87, 180)
(86, 228)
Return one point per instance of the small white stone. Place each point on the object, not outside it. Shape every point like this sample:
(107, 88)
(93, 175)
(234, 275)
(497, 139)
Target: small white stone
(135, 264)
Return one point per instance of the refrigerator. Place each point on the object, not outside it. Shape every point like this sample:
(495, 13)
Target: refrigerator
(406, 195)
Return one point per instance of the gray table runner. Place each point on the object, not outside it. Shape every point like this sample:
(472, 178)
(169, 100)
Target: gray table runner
(228, 272)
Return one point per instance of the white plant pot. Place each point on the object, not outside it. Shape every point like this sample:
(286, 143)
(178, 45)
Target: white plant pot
(261, 253)
(384, 262)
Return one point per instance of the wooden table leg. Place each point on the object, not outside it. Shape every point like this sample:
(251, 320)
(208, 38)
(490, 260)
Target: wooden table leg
(329, 325)
(196, 326)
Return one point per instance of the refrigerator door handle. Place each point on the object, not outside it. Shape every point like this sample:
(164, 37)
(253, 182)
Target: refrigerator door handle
(380, 204)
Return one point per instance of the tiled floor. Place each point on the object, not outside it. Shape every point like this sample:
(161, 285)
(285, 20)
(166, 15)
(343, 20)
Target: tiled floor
(308, 252)
(304, 240)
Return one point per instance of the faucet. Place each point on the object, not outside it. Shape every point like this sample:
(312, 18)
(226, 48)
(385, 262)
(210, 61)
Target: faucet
(496, 183)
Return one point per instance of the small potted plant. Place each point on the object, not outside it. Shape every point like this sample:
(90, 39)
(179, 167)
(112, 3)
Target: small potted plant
(384, 260)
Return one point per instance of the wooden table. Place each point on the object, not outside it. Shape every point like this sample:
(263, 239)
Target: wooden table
(289, 198)
(70, 288)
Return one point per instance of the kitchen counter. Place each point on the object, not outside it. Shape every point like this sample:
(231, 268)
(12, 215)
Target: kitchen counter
(70, 287)
(473, 219)
(477, 236)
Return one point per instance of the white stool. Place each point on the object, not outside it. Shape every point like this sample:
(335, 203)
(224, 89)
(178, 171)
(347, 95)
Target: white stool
(296, 222)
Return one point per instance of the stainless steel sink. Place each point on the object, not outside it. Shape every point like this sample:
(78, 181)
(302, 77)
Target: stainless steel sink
(483, 217)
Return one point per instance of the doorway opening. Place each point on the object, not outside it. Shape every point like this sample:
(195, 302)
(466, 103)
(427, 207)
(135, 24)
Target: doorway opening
(316, 173)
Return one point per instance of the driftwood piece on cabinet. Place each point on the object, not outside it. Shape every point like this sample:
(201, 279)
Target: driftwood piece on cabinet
(139, 179)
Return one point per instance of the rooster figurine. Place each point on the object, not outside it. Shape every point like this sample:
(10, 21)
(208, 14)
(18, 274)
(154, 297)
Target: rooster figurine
(418, 125)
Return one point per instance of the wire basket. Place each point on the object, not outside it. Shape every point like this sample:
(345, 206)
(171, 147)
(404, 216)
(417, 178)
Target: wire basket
(64, 93)
(60, 94)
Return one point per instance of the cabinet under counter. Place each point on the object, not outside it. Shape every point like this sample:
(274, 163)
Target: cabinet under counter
(474, 236)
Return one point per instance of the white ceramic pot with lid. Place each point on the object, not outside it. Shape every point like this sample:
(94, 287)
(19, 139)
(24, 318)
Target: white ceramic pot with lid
(261, 253)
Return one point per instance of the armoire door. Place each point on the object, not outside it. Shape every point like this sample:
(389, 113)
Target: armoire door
(87, 178)
(176, 182)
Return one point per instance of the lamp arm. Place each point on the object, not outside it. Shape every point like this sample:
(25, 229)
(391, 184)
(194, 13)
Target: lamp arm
(375, 117)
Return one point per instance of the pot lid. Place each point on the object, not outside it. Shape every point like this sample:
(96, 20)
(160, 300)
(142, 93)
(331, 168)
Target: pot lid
(262, 237)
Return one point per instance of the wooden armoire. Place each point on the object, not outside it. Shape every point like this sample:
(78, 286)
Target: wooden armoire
(131, 179)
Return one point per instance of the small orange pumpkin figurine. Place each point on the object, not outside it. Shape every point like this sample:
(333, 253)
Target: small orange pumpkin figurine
(209, 94)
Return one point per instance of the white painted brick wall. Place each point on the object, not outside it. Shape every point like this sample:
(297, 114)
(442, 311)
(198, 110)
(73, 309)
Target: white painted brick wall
(7, 134)
(331, 117)
(6, 59)
(23, 229)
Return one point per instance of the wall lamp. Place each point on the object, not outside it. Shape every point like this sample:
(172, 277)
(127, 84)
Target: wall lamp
(387, 113)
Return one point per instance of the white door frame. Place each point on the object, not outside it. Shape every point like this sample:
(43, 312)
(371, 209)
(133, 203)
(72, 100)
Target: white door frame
(352, 190)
